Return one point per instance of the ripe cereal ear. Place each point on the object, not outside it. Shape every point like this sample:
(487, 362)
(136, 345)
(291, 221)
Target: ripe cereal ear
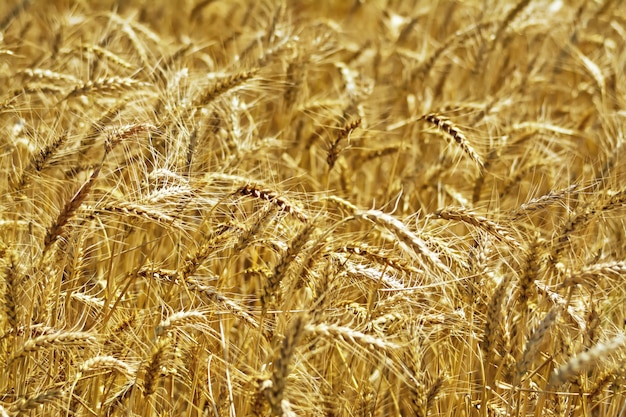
(275, 208)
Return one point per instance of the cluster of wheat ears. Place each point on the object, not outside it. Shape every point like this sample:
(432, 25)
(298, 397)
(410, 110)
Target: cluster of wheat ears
(312, 208)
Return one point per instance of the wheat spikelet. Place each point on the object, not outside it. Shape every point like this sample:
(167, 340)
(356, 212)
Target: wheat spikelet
(410, 239)
(413, 358)
(99, 125)
(253, 230)
(615, 200)
(165, 275)
(195, 260)
(130, 29)
(40, 161)
(48, 75)
(547, 200)
(385, 324)
(525, 292)
(118, 135)
(581, 218)
(433, 391)
(404, 235)
(373, 274)
(606, 378)
(419, 400)
(377, 256)
(112, 403)
(68, 211)
(558, 300)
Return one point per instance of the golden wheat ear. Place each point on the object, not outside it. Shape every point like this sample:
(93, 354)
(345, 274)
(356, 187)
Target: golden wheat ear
(152, 372)
(446, 126)
(53, 340)
(333, 151)
(534, 342)
(272, 293)
(274, 388)
(222, 86)
(491, 227)
(26, 405)
(586, 360)
(283, 204)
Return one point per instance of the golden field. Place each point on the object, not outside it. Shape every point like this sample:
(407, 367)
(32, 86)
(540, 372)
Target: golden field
(312, 208)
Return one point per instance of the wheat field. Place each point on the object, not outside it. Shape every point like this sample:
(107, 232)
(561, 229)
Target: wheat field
(312, 208)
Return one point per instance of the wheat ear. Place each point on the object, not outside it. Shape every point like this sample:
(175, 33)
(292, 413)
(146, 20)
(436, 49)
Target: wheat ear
(46, 341)
(40, 160)
(588, 275)
(128, 208)
(179, 320)
(153, 369)
(333, 151)
(458, 37)
(222, 86)
(212, 295)
(106, 362)
(283, 204)
(348, 334)
(25, 405)
(271, 290)
(282, 364)
(534, 341)
(104, 85)
(586, 360)
(492, 334)
(68, 211)
(491, 227)
(415, 244)
(11, 292)
(446, 126)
